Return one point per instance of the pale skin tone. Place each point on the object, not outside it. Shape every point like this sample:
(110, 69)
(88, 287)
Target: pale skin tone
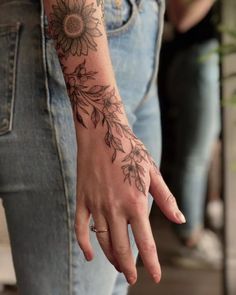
(184, 14)
(115, 171)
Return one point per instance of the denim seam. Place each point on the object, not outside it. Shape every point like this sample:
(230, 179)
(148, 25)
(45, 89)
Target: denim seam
(14, 77)
(161, 10)
(13, 33)
(57, 146)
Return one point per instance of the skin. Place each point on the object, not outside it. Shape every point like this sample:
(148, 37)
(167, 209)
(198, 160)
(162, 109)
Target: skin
(115, 171)
(185, 14)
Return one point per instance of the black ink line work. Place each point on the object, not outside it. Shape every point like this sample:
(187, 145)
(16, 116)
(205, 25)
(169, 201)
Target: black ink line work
(74, 27)
(100, 2)
(100, 104)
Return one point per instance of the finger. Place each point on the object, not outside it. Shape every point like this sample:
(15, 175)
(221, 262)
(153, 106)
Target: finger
(82, 217)
(164, 198)
(122, 249)
(104, 239)
(147, 248)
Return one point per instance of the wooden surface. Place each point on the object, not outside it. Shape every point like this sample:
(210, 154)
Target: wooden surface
(229, 140)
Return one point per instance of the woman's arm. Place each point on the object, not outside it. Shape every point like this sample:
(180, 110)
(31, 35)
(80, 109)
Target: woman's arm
(184, 14)
(115, 171)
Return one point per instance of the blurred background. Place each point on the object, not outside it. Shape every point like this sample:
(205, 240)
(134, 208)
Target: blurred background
(197, 90)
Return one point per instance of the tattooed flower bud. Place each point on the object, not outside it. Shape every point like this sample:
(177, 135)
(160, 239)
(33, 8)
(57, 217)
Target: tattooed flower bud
(111, 103)
(137, 154)
(129, 170)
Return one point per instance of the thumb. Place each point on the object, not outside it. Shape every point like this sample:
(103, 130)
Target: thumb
(164, 198)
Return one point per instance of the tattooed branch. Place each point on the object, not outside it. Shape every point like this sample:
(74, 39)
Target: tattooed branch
(100, 104)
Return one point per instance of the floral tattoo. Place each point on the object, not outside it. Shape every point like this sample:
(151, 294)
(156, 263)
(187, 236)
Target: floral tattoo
(100, 104)
(74, 27)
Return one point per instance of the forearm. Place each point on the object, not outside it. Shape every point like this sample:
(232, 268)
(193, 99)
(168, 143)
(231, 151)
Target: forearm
(101, 124)
(184, 14)
(82, 47)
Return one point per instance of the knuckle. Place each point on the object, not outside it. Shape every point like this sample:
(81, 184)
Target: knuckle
(171, 200)
(94, 206)
(148, 246)
(121, 250)
(139, 207)
(129, 272)
(111, 208)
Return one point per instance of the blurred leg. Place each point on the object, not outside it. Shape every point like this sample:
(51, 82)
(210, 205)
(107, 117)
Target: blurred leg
(193, 91)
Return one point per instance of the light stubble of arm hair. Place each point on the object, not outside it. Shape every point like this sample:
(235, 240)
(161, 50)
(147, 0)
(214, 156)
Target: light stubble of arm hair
(76, 27)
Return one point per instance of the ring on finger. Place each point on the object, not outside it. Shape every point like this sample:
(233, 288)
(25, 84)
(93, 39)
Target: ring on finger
(101, 230)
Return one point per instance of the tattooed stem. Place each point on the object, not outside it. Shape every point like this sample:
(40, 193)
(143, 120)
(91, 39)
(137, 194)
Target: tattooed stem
(76, 27)
(101, 105)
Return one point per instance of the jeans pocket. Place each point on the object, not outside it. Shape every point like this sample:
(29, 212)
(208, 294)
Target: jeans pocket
(120, 16)
(8, 53)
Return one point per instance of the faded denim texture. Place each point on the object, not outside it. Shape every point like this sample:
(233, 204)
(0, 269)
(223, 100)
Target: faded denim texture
(38, 143)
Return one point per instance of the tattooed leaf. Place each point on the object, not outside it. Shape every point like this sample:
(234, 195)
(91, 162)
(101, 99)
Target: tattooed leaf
(82, 103)
(114, 156)
(103, 119)
(108, 138)
(80, 119)
(127, 176)
(140, 169)
(117, 144)
(127, 131)
(84, 110)
(118, 130)
(97, 90)
(113, 116)
(126, 158)
(95, 117)
(140, 184)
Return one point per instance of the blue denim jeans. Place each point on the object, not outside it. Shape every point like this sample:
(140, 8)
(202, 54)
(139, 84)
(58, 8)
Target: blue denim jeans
(38, 142)
(192, 125)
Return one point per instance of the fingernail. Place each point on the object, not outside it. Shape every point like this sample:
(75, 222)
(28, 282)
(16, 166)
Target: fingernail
(180, 217)
(131, 280)
(156, 278)
(88, 256)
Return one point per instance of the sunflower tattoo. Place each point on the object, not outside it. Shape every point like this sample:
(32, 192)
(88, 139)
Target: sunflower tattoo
(74, 27)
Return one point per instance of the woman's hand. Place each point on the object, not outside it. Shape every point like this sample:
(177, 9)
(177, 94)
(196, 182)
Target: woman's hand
(115, 171)
(115, 194)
